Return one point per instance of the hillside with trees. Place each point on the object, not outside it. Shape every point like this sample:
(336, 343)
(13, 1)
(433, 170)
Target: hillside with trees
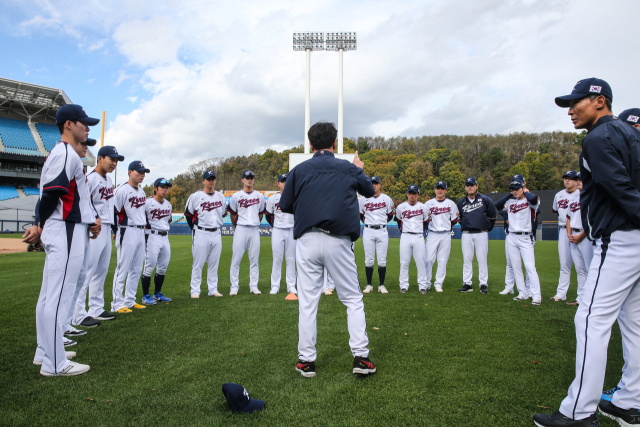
(400, 161)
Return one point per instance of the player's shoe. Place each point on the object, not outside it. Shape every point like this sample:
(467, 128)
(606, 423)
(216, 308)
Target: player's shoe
(256, 291)
(137, 306)
(423, 291)
(520, 297)
(558, 420)
(367, 289)
(624, 417)
(73, 368)
(382, 289)
(68, 342)
(556, 299)
(89, 322)
(484, 289)
(105, 315)
(438, 288)
(403, 291)
(160, 297)
(124, 310)
(608, 394)
(536, 302)
(274, 291)
(292, 291)
(148, 300)
(574, 303)
(70, 355)
(466, 288)
(364, 366)
(195, 296)
(73, 332)
(307, 369)
(328, 292)
(506, 291)
(216, 294)
(232, 294)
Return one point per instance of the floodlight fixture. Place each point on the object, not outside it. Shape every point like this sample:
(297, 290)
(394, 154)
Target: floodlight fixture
(312, 40)
(341, 40)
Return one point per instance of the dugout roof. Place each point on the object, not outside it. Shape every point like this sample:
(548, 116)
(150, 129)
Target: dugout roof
(29, 101)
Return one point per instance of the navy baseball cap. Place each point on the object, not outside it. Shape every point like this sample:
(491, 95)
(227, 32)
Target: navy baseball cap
(90, 142)
(471, 181)
(579, 176)
(375, 179)
(248, 173)
(137, 165)
(282, 177)
(441, 184)
(161, 182)
(586, 87)
(239, 400)
(519, 177)
(413, 189)
(516, 183)
(110, 151)
(570, 174)
(74, 112)
(208, 175)
(630, 116)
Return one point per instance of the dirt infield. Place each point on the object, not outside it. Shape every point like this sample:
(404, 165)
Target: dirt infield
(12, 246)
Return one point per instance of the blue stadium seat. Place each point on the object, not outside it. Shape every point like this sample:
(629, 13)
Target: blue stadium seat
(16, 134)
(50, 135)
(8, 192)
(31, 191)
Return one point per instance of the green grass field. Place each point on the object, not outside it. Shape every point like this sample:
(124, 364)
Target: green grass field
(446, 359)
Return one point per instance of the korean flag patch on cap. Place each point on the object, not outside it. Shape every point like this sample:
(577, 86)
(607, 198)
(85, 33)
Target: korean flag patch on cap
(633, 119)
(596, 89)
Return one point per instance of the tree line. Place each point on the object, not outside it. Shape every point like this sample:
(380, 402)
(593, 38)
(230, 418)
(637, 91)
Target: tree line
(401, 161)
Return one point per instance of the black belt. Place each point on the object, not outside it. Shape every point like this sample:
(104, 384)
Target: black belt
(434, 231)
(207, 229)
(562, 226)
(577, 230)
(521, 233)
(159, 233)
(474, 231)
(133, 226)
(408, 232)
(375, 227)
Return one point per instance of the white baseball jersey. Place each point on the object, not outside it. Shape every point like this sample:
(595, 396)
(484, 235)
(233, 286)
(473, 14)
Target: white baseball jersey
(413, 217)
(206, 209)
(521, 215)
(158, 214)
(280, 219)
(573, 211)
(63, 171)
(443, 214)
(376, 209)
(560, 206)
(247, 207)
(101, 189)
(129, 205)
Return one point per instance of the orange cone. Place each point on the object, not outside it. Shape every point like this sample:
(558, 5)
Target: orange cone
(292, 297)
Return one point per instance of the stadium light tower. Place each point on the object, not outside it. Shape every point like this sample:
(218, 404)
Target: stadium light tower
(341, 42)
(308, 41)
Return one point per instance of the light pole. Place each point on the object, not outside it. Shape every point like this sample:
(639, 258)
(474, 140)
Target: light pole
(308, 41)
(341, 42)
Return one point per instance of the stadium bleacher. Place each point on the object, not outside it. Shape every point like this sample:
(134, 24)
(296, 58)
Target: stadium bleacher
(31, 191)
(8, 192)
(50, 135)
(16, 134)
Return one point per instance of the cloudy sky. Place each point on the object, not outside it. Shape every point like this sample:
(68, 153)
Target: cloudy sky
(190, 80)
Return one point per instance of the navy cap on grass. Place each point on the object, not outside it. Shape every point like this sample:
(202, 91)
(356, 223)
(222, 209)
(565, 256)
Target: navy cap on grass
(585, 87)
(138, 166)
(441, 184)
(110, 151)
(413, 189)
(630, 116)
(161, 182)
(375, 179)
(282, 177)
(248, 174)
(208, 175)
(471, 181)
(74, 112)
(239, 400)
(570, 174)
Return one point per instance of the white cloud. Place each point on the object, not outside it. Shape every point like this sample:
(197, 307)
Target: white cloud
(132, 98)
(149, 42)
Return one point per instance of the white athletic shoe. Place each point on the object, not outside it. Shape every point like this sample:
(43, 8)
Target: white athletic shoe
(292, 291)
(520, 298)
(233, 293)
(70, 355)
(68, 342)
(216, 294)
(556, 298)
(195, 296)
(438, 289)
(256, 291)
(506, 291)
(328, 292)
(367, 289)
(73, 332)
(73, 368)
(382, 289)
(273, 291)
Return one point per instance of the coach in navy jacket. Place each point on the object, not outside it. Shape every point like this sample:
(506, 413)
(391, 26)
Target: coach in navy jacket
(479, 215)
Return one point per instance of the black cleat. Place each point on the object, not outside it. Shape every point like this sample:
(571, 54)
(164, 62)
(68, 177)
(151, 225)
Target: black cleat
(624, 417)
(105, 315)
(484, 289)
(403, 291)
(423, 291)
(558, 420)
(364, 366)
(89, 322)
(307, 369)
(466, 288)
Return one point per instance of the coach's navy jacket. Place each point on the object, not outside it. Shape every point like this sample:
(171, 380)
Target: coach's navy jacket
(610, 170)
(321, 192)
(477, 216)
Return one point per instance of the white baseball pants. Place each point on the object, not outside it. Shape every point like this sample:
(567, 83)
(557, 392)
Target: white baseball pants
(245, 239)
(412, 245)
(328, 281)
(509, 278)
(65, 244)
(521, 250)
(612, 291)
(438, 248)
(581, 254)
(282, 243)
(376, 243)
(158, 254)
(478, 242)
(564, 252)
(206, 246)
(314, 252)
(130, 253)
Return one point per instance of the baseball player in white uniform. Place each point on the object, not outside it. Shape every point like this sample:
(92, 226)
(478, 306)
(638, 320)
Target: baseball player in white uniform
(375, 213)
(246, 208)
(204, 212)
(444, 215)
(521, 206)
(581, 247)
(411, 217)
(130, 220)
(158, 212)
(65, 218)
(101, 189)
(282, 243)
(561, 207)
